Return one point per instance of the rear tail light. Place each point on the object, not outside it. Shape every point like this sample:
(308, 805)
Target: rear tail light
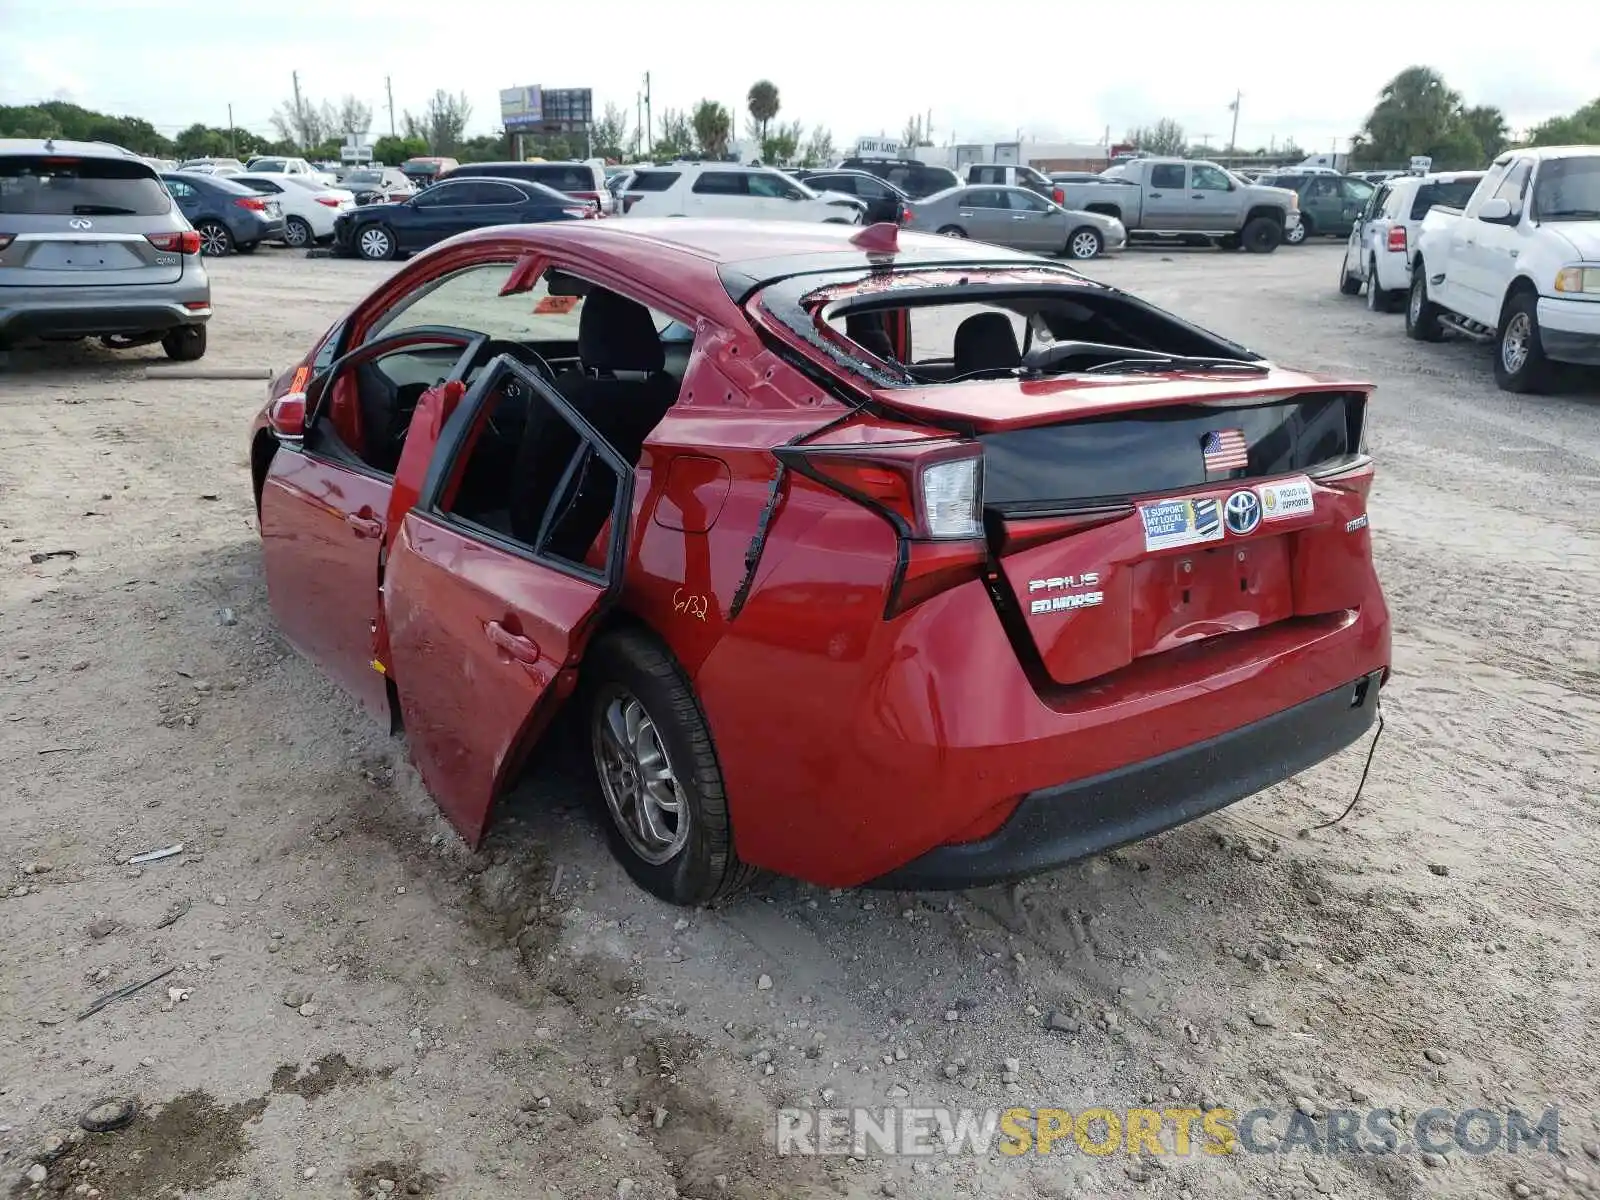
(1058, 196)
(253, 203)
(931, 492)
(1397, 238)
(186, 242)
(329, 201)
(906, 215)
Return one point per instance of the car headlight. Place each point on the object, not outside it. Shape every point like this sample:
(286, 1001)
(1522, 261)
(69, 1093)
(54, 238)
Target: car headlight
(1578, 280)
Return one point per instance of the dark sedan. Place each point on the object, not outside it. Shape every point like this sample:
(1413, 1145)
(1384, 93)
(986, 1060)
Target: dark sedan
(228, 216)
(884, 201)
(379, 231)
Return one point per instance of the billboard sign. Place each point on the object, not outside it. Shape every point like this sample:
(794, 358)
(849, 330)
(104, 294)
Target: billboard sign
(521, 107)
(877, 147)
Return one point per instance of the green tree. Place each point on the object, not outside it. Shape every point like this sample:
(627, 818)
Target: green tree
(713, 129)
(392, 151)
(677, 135)
(818, 151)
(1487, 125)
(1580, 128)
(57, 118)
(1418, 113)
(781, 145)
(610, 134)
(913, 135)
(443, 123)
(1166, 136)
(764, 105)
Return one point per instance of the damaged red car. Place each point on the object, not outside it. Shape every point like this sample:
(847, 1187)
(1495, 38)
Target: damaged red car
(866, 557)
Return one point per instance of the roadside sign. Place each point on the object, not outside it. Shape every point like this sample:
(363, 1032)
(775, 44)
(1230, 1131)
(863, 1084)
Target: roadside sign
(1421, 163)
(355, 154)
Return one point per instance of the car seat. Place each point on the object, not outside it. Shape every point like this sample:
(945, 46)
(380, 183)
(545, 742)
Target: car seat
(986, 342)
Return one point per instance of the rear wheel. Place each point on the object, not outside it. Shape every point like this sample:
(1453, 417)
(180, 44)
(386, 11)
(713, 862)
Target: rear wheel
(1378, 300)
(660, 785)
(1349, 285)
(215, 240)
(1422, 314)
(1519, 361)
(1262, 235)
(954, 231)
(376, 243)
(297, 232)
(186, 344)
(1085, 242)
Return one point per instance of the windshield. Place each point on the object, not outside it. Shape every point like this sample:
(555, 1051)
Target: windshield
(51, 186)
(363, 177)
(1568, 189)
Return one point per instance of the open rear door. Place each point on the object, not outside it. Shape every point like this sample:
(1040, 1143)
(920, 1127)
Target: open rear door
(485, 628)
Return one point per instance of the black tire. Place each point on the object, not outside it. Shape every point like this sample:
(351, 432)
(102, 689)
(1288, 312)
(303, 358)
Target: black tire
(954, 231)
(1379, 300)
(185, 344)
(633, 664)
(1262, 235)
(1422, 314)
(215, 240)
(297, 233)
(375, 243)
(1085, 242)
(1300, 232)
(1349, 285)
(1518, 340)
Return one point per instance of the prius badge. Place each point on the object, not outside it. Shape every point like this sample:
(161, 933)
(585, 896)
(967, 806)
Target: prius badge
(1072, 594)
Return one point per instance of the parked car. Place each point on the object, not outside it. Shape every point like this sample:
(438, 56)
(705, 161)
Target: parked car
(161, 164)
(1178, 199)
(580, 180)
(1330, 203)
(1017, 217)
(699, 189)
(374, 185)
(280, 165)
(211, 166)
(1519, 267)
(449, 207)
(915, 179)
(1378, 252)
(94, 247)
(227, 215)
(424, 170)
(884, 201)
(827, 588)
(308, 208)
(1015, 175)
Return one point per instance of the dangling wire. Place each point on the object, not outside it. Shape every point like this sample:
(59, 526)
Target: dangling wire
(1371, 750)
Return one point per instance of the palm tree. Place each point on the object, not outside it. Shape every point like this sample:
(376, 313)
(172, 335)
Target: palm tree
(763, 102)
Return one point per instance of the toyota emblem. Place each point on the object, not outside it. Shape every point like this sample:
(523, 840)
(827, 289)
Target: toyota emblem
(81, 223)
(1242, 512)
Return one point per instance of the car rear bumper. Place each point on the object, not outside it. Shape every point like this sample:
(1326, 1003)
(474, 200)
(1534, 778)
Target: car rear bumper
(1059, 825)
(100, 312)
(1569, 330)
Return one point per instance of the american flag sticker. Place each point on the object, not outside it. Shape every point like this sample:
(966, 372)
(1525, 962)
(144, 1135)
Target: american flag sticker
(1224, 450)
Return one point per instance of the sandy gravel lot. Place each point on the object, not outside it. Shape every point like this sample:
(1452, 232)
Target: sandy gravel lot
(525, 1023)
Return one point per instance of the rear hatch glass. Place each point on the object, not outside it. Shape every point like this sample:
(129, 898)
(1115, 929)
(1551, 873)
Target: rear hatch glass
(1453, 194)
(85, 222)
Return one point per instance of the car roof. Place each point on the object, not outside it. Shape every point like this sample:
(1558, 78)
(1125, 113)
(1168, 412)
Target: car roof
(1543, 153)
(224, 182)
(63, 148)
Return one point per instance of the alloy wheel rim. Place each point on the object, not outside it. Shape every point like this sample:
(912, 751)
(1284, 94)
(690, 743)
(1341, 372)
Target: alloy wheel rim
(1085, 245)
(1297, 235)
(295, 233)
(214, 239)
(1416, 304)
(1515, 344)
(375, 243)
(642, 792)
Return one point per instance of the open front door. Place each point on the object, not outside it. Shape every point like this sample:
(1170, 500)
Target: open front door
(487, 599)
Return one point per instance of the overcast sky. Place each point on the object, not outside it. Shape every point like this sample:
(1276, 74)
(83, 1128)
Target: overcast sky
(1053, 70)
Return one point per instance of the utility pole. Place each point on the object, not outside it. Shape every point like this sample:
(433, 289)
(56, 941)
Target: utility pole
(299, 113)
(649, 119)
(388, 86)
(1233, 138)
(638, 125)
(232, 150)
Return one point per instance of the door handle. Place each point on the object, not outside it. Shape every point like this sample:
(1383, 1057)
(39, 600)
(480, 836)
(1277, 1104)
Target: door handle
(367, 527)
(1020, 217)
(965, 214)
(1155, 195)
(1197, 195)
(518, 647)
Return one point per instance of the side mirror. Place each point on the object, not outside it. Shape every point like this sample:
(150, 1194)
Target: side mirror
(287, 416)
(1497, 211)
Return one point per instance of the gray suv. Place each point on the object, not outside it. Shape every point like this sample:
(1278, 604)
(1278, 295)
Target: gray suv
(92, 245)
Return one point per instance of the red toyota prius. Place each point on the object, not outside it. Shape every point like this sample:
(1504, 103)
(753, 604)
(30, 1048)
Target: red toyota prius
(868, 557)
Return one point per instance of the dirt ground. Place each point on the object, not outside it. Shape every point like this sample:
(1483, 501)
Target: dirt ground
(359, 1007)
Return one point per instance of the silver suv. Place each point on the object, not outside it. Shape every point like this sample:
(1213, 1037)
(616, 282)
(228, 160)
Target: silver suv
(92, 245)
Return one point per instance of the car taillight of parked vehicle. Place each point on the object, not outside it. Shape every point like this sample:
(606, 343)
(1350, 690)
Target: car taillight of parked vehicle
(328, 201)
(931, 492)
(1059, 196)
(253, 203)
(906, 215)
(1397, 239)
(186, 242)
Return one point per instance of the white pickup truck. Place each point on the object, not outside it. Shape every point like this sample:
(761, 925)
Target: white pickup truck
(1518, 267)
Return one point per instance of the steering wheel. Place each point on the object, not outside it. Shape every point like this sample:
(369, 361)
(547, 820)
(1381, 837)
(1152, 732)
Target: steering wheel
(511, 389)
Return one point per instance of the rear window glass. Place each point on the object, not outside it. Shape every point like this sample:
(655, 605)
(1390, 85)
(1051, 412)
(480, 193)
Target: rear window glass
(73, 187)
(564, 179)
(652, 181)
(1454, 194)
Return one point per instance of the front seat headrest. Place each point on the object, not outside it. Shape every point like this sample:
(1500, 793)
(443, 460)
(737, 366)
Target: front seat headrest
(986, 342)
(618, 334)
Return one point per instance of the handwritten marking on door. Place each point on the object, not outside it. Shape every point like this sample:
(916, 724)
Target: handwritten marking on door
(693, 605)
